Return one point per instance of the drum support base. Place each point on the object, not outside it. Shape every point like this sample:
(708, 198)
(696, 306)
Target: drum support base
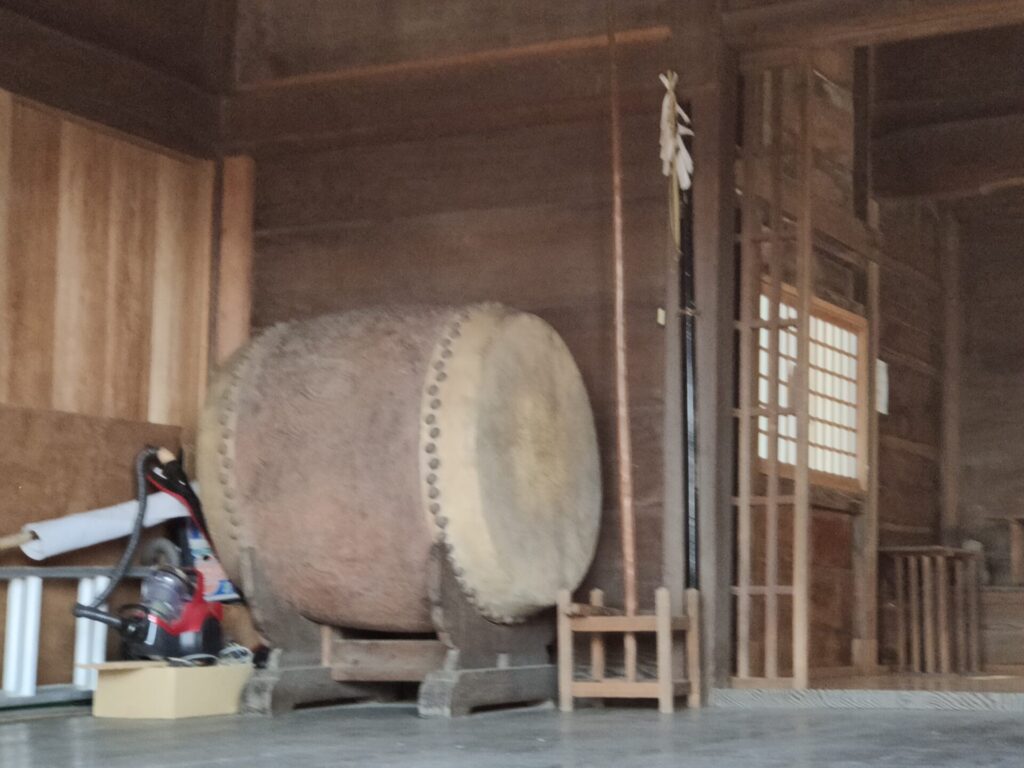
(458, 692)
(287, 683)
(469, 663)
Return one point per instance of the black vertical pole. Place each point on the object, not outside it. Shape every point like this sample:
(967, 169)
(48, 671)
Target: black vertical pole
(688, 309)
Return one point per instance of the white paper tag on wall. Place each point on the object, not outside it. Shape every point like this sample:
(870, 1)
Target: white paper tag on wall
(882, 387)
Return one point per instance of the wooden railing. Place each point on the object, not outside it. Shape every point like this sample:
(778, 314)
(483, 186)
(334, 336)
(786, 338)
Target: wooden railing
(935, 590)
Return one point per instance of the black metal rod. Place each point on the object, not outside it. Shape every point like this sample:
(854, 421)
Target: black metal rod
(688, 303)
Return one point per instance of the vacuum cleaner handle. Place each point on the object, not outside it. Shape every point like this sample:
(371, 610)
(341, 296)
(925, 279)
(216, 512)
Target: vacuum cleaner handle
(96, 614)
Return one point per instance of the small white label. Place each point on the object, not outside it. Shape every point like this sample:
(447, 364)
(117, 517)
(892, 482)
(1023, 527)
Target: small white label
(882, 387)
(661, 316)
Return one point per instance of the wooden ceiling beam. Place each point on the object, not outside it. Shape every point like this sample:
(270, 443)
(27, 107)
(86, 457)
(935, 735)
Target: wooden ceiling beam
(862, 22)
(444, 98)
(497, 56)
(950, 160)
(52, 67)
(893, 115)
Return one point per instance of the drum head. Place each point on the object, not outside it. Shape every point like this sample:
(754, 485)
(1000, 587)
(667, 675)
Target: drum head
(510, 469)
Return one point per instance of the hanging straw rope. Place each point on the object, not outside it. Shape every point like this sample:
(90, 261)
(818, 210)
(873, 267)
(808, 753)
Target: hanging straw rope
(676, 162)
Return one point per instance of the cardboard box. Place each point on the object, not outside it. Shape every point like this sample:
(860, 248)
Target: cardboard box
(156, 690)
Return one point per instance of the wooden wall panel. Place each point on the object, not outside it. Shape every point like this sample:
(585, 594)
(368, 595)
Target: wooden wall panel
(992, 396)
(33, 195)
(54, 463)
(520, 216)
(6, 126)
(452, 160)
(106, 260)
(105, 251)
(130, 282)
(181, 294)
(911, 340)
(83, 237)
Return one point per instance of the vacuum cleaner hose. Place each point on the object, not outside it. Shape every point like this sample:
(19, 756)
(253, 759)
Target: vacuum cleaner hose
(94, 612)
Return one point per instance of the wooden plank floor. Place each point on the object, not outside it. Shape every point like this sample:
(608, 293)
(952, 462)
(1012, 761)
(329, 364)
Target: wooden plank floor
(981, 683)
(981, 693)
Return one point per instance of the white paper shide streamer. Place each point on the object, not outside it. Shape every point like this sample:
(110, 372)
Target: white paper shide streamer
(675, 126)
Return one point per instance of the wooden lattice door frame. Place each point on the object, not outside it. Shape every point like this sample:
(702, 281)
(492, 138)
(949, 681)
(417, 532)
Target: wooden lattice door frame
(782, 225)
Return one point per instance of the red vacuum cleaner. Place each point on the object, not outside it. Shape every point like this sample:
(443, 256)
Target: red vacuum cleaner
(173, 620)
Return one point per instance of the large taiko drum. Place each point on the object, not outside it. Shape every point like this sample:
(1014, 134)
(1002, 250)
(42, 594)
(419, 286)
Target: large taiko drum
(334, 453)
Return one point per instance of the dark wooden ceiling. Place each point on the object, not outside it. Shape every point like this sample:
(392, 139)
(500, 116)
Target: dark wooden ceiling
(948, 114)
(154, 68)
(183, 38)
(968, 76)
(1004, 205)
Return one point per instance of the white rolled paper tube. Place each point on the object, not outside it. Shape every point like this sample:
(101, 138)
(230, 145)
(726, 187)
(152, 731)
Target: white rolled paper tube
(86, 529)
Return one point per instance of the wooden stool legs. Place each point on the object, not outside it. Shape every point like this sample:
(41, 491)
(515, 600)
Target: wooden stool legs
(597, 621)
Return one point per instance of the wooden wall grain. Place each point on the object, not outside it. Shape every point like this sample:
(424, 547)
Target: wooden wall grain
(408, 153)
(105, 254)
(992, 400)
(52, 463)
(520, 216)
(911, 341)
(105, 259)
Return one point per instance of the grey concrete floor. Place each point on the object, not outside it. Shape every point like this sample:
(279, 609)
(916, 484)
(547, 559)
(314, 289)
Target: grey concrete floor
(384, 736)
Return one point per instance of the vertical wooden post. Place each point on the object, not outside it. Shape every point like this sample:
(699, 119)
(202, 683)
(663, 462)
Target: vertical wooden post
(960, 613)
(866, 554)
(565, 655)
(623, 444)
(693, 665)
(901, 614)
(234, 262)
(326, 646)
(771, 600)
(945, 628)
(663, 641)
(914, 595)
(805, 290)
(951, 371)
(928, 600)
(747, 426)
(714, 202)
(597, 641)
(973, 617)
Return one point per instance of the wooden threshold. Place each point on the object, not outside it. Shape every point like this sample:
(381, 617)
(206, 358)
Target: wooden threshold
(640, 623)
(625, 689)
(762, 683)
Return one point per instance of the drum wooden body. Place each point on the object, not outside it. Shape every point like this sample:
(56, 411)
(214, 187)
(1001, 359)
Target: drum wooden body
(335, 453)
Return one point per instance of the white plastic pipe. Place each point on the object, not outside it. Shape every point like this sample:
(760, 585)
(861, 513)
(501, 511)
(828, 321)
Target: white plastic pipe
(13, 636)
(30, 639)
(83, 635)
